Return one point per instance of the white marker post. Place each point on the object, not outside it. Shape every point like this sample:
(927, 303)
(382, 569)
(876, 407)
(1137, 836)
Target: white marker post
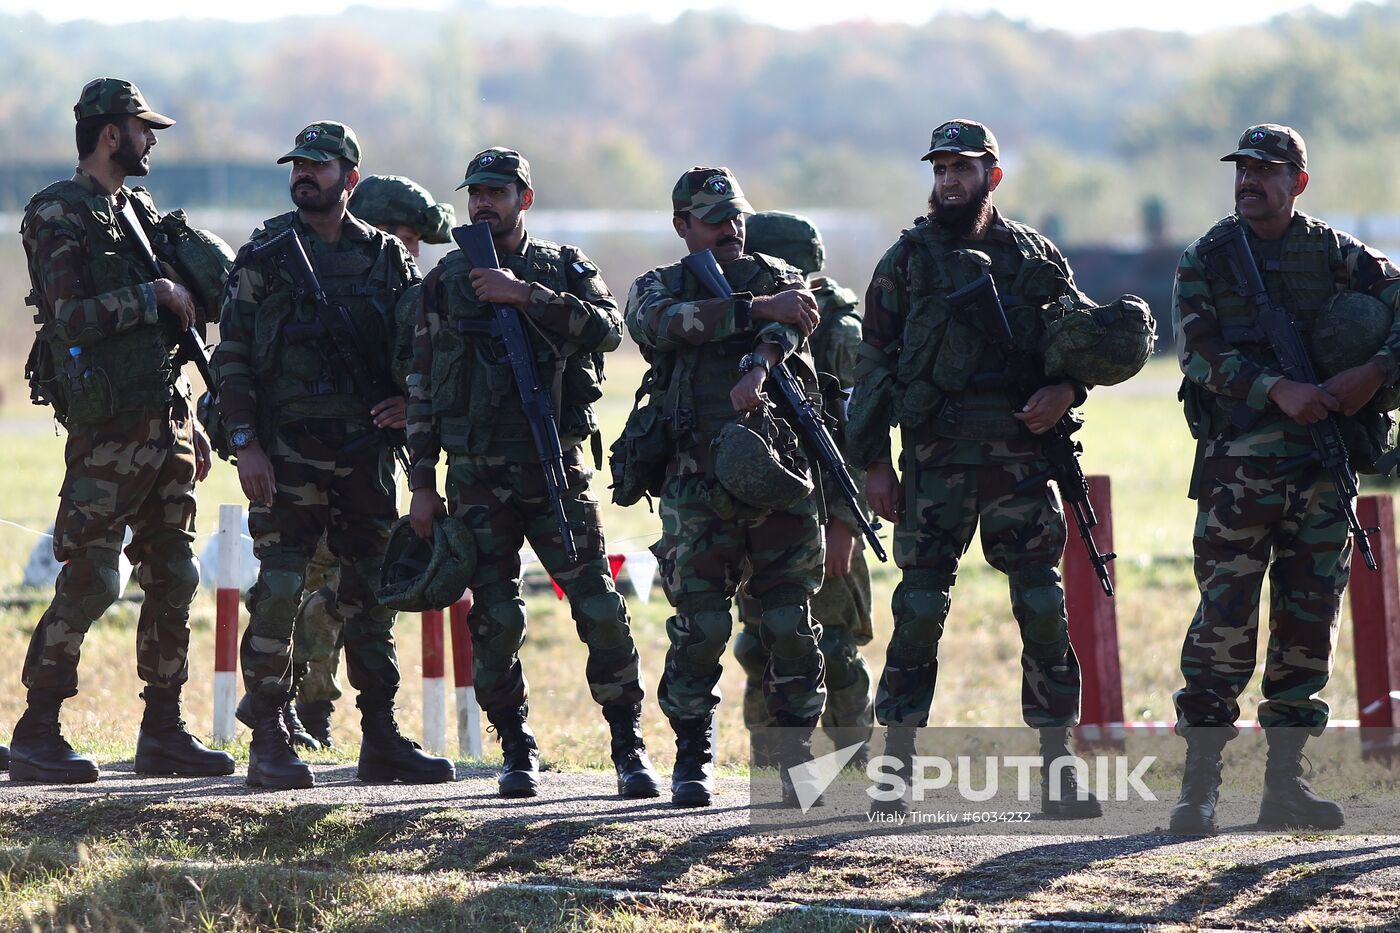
(468, 713)
(230, 543)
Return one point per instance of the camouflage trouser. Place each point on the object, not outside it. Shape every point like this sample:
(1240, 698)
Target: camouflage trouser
(503, 500)
(316, 634)
(702, 558)
(842, 607)
(136, 470)
(323, 488)
(1023, 536)
(1246, 515)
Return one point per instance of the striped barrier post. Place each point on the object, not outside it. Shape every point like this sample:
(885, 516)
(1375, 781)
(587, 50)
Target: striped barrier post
(230, 535)
(434, 684)
(468, 713)
(1093, 618)
(1375, 618)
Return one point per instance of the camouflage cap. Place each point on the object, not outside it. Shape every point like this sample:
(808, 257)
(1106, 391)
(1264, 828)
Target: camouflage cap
(391, 200)
(497, 166)
(965, 137)
(102, 96)
(323, 141)
(1271, 142)
(710, 194)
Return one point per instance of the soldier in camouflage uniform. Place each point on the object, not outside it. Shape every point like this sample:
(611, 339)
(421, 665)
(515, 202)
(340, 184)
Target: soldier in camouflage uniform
(842, 605)
(134, 450)
(966, 447)
(404, 208)
(1257, 514)
(313, 457)
(698, 345)
(464, 400)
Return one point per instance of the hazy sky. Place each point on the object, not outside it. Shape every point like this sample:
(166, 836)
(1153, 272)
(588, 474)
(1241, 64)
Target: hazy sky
(1073, 15)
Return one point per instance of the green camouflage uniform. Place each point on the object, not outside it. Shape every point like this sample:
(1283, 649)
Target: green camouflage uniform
(963, 455)
(130, 463)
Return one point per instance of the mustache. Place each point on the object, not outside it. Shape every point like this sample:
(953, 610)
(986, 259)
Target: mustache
(730, 240)
(1243, 191)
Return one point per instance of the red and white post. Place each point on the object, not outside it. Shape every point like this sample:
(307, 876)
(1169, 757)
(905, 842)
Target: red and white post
(434, 684)
(1093, 621)
(1375, 618)
(230, 550)
(468, 713)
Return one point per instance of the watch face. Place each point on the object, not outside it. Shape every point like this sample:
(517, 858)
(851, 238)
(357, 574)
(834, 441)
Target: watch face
(239, 438)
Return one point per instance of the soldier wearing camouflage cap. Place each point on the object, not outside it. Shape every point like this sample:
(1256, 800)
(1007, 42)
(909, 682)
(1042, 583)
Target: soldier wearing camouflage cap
(1282, 514)
(463, 401)
(404, 208)
(313, 458)
(105, 357)
(710, 357)
(970, 450)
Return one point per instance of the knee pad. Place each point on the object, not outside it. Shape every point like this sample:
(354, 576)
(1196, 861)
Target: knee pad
(173, 580)
(602, 620)
(1039, 605)
(274, 600)
(749, 652)
(89, 585)
(501, 624)
(705, 634)
(921, 607)
(789, 632)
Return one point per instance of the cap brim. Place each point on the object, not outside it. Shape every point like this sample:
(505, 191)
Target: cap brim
(1259, 154)
(928, 156)
(488, 178)
(158, 121)
(723, 210)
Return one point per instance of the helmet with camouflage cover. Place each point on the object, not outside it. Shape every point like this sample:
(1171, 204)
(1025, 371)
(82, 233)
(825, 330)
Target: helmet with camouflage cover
(388, 201)
(419, 575)
(1101, 346)
(791, 237)
(202, 259)
(1350, 329)
(759, 461)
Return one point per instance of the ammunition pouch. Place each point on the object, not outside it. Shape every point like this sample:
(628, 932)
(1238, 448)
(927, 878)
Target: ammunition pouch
(637, 459)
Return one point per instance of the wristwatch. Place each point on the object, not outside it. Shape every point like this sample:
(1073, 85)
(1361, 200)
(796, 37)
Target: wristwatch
(239, 438)
(751, 360)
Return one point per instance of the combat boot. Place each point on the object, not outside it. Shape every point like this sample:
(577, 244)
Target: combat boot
(296, 732)
(1289, 801)
(693, 776)
(386, 756)
(315, 719)
(271, 760)
(899, 745)
(1074, 803)
(4, 758)
(165, 746)
(1194, 813)
(794, 749)
(636, 780)
(38, 751)
(520, 771)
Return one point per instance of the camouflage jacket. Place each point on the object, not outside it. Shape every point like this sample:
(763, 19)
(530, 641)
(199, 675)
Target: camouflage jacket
(472, 405)
(1301, 271)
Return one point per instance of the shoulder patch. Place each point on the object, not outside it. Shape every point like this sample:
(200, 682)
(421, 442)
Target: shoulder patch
(584, 268)
(884, 283)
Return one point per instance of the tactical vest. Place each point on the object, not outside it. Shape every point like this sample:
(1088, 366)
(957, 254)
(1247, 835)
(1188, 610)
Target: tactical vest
(940, 354)
(133, 367)
(476, 401)
(834, 304)
(293, 357)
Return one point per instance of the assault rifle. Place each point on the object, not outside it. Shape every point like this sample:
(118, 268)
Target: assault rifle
(372, 384)
(820, 444)
(979, 304)
(1282, 333)
(536, 400)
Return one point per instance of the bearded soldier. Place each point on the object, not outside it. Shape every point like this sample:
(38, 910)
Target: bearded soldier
(1266, 504)
(105, 359)
(465, 401)
(968, 447)
(313, 451)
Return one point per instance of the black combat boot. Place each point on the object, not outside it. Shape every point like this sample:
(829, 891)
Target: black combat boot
(165, 746)
(1289, 801)
(794, 750)
(315, 719)
(693, 776)
(38, 751)
(899, 745)
(1074, 803)
(520, 772)
(386, 756)
(1194, 813)
(271, 760)
(296, 732)
(4, 758)
(635, 778)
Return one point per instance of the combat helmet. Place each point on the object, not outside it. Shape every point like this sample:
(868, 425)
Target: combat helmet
(419, 575)
(1349, 330)
(202, 259)
(758, 460)
(790, 237)
(1101, 346)
(390, 200)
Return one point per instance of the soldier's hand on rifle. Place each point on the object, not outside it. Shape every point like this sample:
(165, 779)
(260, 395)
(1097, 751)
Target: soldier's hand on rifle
(424, 509)
(1354, 387)
(1304, 403)
(177, 298)
(1047, 406)
(203, 451)
(795, 306)
(884, 490)
(840, 547)
(747, 393)
(392, 413)
(255, 474)
(500, 286)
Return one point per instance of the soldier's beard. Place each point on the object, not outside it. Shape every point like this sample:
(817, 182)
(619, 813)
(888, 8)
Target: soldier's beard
(962, 219)
(130, 158)
(313, 199)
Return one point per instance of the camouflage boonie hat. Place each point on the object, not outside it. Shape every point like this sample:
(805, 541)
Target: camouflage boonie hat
(497, 166)
(102, 96)
(323, 141)
(1271, 142)
(419, 575)
(710, 194)
(391, 200)
(965, 137)
(791, 237)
